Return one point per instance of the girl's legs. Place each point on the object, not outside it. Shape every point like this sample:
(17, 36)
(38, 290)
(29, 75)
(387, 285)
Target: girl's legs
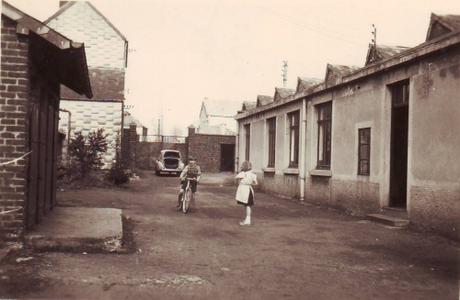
(248, 215)
(247, 220)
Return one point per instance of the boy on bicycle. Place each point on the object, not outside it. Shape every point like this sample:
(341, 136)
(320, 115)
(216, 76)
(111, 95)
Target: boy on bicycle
(192, 170)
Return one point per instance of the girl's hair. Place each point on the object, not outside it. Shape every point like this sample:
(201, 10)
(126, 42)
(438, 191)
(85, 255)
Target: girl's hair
(246, 166)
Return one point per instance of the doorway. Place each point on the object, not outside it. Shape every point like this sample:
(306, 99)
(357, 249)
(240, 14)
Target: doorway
(399, 143)
(227, 157)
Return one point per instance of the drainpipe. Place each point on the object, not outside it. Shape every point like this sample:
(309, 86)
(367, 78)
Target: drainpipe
(302, 167)
(68, 132)
(237, 147)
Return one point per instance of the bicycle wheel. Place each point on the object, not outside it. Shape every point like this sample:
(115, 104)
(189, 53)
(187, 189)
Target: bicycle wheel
(185, 202)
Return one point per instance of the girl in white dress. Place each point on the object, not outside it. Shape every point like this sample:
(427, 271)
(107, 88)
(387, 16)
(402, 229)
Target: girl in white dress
(245, 192)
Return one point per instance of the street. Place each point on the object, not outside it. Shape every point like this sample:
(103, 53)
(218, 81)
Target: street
(292, 251)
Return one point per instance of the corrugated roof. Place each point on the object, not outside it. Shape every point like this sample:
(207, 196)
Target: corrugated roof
(263, 100)
(72, 69)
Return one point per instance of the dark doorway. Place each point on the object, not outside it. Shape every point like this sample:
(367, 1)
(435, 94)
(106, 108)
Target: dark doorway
(227, 157)
(399, 143)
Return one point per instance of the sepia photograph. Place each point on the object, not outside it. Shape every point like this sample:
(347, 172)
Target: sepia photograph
(230, 149)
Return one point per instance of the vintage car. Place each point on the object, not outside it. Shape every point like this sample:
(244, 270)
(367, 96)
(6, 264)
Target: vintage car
(169, 162)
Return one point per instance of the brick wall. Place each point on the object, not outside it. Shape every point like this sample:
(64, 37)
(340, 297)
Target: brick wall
(147, 152)
(89, 116)
(13, 134)
(207, 150)
(104, 47)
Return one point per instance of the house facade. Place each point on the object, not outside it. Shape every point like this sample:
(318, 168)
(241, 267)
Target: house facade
(217, 117)
(107, 62)
(369, 138)
(29, 115)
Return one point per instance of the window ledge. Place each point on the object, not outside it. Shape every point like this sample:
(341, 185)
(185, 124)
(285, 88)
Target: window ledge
(323, 173)
(291, 171)
(268, 170)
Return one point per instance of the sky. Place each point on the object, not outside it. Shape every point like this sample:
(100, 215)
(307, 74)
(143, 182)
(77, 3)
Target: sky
(182, 51)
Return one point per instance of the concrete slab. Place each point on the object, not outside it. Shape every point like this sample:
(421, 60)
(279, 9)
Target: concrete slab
(82, 229)
(388, 220)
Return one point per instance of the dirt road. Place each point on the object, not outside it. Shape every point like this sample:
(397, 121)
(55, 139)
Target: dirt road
(292, 251)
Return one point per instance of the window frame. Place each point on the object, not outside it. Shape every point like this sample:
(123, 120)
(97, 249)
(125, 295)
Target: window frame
(271, 138)
(360, 154)
(324, 109)
(294, 128)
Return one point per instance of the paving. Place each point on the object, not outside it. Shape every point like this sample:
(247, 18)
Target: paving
(88, 229)
(291, 251)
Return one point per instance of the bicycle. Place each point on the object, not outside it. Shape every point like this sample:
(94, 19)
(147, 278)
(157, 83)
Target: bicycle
(187, 196)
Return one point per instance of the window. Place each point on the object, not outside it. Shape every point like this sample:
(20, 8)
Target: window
(364, 151)
(293, 118)
(247, 130)
(400, 94)
(324, 135)
(271, 124)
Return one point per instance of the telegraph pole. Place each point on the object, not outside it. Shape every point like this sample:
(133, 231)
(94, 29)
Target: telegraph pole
(374, 35)
(284, 71)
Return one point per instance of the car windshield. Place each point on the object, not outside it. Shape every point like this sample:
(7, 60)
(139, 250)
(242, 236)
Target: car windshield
(172, 154)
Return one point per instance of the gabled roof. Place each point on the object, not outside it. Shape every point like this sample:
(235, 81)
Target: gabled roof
(71, 66)
(283, 93)
(306, 83)
(335, 73)
(442, 24)
(71, 3)
(263, 100)
(217, 108)
(381, 52)
(247, 105)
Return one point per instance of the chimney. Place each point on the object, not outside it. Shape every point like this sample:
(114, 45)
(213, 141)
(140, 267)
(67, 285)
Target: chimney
(62, 3)
(191, 130)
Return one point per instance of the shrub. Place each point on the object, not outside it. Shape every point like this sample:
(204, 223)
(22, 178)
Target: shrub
(86, 151)
(119, 174)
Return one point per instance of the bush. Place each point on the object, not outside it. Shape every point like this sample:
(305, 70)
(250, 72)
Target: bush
(86, 151)
(119, 174)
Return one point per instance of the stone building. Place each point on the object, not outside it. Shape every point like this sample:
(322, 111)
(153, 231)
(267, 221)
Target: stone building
(29, 114)
(107, 62)
(369, 138)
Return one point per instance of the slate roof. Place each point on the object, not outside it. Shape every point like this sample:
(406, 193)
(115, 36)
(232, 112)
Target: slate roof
(381, 52)
(334, 73)
(71, 3)
(263, 100)
(306, 83)
(219, 108)
(283, 93)
(247, 105)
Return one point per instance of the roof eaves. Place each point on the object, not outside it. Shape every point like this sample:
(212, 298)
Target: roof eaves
(401, 58)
